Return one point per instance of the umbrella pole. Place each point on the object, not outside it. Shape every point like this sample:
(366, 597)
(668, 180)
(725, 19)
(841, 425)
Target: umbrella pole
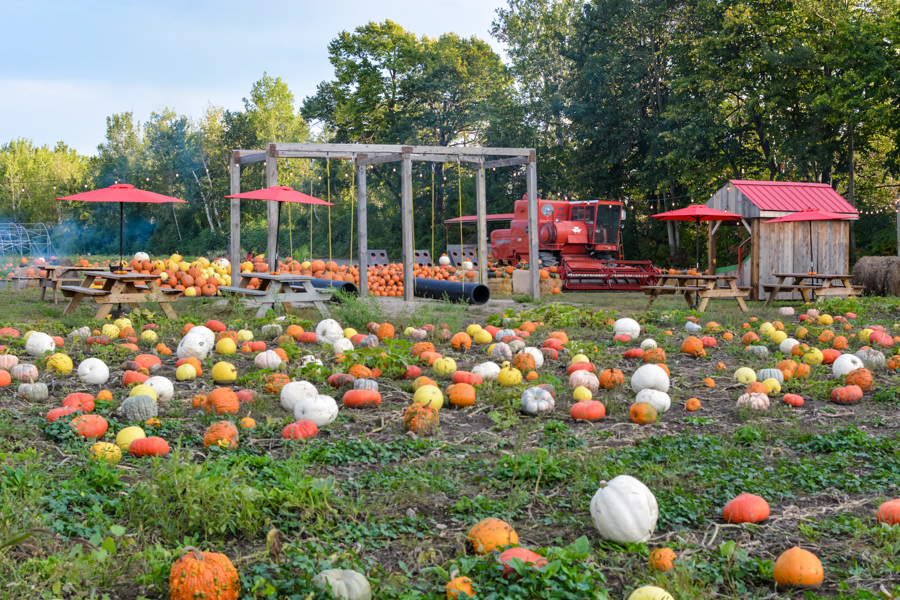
(810, 248)
(121, 233)
(697, 223)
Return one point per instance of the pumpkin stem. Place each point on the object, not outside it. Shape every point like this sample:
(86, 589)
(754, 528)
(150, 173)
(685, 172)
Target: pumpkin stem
(197, 554)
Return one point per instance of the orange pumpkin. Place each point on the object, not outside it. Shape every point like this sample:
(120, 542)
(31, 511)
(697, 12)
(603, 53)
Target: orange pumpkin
(610, 378)
(642, 413)
(693, 346)
(461, 394)
(662, 559)
(692, 404)
(588, 410)
(848, 394)
(361, 398)
(491, 534)
(221, 401)
(861, 377)
(746, 508)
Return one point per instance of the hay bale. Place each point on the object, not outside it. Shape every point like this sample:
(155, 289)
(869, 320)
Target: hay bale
(880, 275)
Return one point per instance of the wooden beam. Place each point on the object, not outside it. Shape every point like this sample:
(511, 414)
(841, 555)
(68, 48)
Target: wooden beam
(311, 150)
(361, 216)
(378, 160)
(754, 259)
(506, 162)
(234, 243)
(272, 209)
(406, 220)
(481, 227)
(245, 157)
(533, 257)
(711, 246)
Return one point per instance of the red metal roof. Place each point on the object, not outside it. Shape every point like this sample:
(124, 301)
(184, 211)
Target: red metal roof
(789, 196)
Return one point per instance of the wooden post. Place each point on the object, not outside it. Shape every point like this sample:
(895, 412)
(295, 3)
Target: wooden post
(481, 211)
(754, 258)
(272, 209)
(363, 234)
(406, 220)
(711, 244)
(533, 257)
(234, 254)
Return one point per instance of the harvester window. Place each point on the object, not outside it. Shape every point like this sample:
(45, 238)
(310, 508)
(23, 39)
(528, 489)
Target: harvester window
(606, 231)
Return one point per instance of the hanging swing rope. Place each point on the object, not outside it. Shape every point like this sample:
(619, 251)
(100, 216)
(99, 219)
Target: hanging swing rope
(352, 202)
(432, 213)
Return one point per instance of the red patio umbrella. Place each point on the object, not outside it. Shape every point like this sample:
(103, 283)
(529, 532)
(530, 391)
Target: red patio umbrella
(121, 193)
(697, 213)
(280, 193)
(809, 215)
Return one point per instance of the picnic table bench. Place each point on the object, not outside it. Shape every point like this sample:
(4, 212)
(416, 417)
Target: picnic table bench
(118, 288)
(277, 288)
(698, 288)
(809, 284)
(59, 275)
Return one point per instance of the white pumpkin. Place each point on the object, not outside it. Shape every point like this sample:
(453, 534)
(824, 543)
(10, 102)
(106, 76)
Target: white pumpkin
(627, 326)
(444, 260)
(141, 256)
(757, 351)
(537, 400)
(659, 400)
(320, 409)
(82, 332)
(624, 510)
(771, 374)
(845, 363)
(787, 345)
(692, 327)
(586, 379)
(756, 401)
(271, 331)
(648, 344)
(328, 331)
(163, 387)
(293, 391)
(537, 354)
(344, 583)
(342, 345)
(267, 359)
(93, 371)
(307, 359)
(39, 343)
(197, 345)
(500, 352)
(651, 377)
(488, 370)
(786, 311)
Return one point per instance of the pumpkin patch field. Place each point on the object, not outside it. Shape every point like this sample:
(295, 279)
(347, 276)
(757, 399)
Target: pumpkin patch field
(547, 450)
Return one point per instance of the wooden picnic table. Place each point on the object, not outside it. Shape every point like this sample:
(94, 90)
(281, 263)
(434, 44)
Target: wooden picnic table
(57, 275)
(276, 287)
(700, 288)
(809, 284)
(119, 288)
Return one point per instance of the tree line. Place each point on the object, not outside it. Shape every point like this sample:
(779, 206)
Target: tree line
(656, 102)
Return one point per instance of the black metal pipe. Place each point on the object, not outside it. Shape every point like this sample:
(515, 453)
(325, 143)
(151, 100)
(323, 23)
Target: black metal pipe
(348, 287)
(455, 291)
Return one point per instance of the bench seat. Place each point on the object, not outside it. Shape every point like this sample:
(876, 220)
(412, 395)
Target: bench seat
(240, 290)
(71, 290)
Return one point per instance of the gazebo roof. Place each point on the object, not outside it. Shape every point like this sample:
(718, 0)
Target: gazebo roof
(789, 196)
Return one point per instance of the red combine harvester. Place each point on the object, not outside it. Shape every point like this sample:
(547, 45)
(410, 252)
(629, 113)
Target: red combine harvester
(582, 239)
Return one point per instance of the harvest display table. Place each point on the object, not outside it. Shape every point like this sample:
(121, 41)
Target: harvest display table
(698, 287)
(57, 274)
(277, 288)
(118, 288)
(812, 283)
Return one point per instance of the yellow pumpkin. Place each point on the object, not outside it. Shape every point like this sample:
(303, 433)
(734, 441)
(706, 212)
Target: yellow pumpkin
(59, 363)
(185, 372)
(224, 372)
(429, 395)
(509, 375)
(107, 452)
(444, 367)
(142, 389)
(128, 435)
(226, 346)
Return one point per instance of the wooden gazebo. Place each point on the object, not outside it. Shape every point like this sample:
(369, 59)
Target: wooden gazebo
(784, 247)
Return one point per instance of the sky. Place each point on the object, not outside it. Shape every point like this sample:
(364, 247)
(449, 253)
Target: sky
(75, 62)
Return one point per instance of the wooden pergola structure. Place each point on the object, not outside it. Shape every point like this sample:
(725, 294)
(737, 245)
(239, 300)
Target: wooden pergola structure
(364, 155)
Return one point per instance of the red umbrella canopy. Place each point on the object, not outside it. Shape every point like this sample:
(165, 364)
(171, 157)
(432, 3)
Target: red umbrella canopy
(697, 212)
(281, 193)
(813, 215)
(121, 192)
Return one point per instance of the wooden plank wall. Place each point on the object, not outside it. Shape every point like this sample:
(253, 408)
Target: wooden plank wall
(733, 201)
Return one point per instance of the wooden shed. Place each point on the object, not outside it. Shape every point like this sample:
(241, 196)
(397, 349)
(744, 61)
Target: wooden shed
(785, 247)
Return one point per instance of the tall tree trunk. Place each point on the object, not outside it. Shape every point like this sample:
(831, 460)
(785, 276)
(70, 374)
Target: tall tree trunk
(212, 228)
(851, 191)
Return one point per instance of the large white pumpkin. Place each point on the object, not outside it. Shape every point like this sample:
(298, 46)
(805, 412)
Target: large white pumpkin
(82, 332)
(651, 377)
(488, 370)
(293, 391)
(787, 345)
(659, 400)
(648, 344)
(584, 378)
(320, 409)
(93, 371)
(38, 343)
(197, 344)
(624, 510)
(163, 387)
(845, 363)
(627, 326)
(328, 331)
